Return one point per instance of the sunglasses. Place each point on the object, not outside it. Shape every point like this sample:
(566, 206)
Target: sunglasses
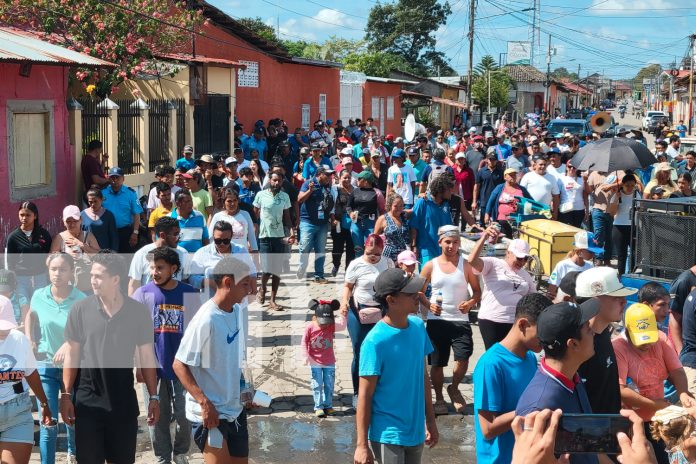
(222, 241)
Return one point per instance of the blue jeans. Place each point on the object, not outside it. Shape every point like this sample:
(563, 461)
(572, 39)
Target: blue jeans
(313, 238)
(357, 332)
(323, 379)
(52, 380)
(172, 406)
(602, 224)
(359, 232)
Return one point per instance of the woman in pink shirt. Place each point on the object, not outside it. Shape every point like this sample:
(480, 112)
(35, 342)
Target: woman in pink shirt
(505, 283)
(317, 348)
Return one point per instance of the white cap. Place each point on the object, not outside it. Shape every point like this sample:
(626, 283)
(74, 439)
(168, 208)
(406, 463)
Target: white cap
(472, 130)
(347, 151)
(519, 248)
(600, 281)
(460, 155)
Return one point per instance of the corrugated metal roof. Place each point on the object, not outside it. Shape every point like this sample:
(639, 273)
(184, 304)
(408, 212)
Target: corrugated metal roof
(18, 46)
(390, 80)
(201, 59)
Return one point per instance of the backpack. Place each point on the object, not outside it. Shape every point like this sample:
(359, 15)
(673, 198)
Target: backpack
(437, 171)
(327, 201)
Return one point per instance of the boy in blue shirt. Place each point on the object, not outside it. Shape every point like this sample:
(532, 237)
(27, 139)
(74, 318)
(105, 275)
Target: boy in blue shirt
(501, 375)
(394, 402)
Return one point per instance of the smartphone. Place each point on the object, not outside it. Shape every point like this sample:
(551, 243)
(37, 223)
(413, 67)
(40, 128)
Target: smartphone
(591, 433)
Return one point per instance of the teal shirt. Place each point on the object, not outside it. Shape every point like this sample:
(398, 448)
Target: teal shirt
(271, 208)
(52, 318)
(418, 168)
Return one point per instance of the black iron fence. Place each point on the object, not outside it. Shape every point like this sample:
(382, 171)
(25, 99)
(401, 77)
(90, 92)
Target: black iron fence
(158, 145)
(129, 137)
(94, 124)
(180, 125)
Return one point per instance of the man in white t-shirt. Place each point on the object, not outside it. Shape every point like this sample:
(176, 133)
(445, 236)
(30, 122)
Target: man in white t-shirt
(555, 166)
(208, 364)
(401, 178)
(542, 186)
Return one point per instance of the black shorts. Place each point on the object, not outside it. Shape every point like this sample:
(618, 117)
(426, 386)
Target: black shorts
(235, 433)
(100, 437)
(447, 334)
(273, 252)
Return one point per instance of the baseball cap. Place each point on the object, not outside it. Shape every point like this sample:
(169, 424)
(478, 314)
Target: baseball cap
(599, 281)
(347, 151)
(389, 137)
(189, 148)
(657, 190)
(398, 140)
(186, 175)
(258, 130)
(478, 138)
(510, 171)
(587, 241)
(368, 176)
(641, 324)
(316, 146)
(7, 319)
(460, 155)
(329, 121)
(519, 248)
(439, 132)
(559, 135)
(8, 280)
(472, 130)
(237, 149)
(398, 153)
(304, 150)
(324, 310)
(568, 283)
(413, 151)
(324, 170)
(560, 322)
(230, 160)
(407, 257)
(115, 172)
(206, 159)
(396, 280)
(491, 155)
(71, 211)
(346, 160)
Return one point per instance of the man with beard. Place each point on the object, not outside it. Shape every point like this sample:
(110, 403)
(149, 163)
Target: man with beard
(272, 206)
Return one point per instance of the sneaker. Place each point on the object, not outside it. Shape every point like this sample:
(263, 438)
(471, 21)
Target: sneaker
(330, 412)
(334, 271)
(320, 280)
(181, 459)
(320, 413)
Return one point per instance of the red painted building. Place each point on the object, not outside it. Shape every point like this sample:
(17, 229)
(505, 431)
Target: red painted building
(273, 84)
(37, 160)
(381, 101)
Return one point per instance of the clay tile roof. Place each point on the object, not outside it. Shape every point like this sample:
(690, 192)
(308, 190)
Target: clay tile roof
(524, 73)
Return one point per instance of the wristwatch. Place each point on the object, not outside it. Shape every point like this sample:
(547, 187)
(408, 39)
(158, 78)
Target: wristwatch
(136, 232)
(154, 398)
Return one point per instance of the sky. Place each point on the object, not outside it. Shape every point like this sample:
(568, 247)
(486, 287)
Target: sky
(615, 38)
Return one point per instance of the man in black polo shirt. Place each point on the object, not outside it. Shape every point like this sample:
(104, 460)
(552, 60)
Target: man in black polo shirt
(565, 333)
(680, 289)
(104, 332)
(600, 373)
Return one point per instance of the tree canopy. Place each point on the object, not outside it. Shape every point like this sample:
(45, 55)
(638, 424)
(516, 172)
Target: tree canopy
(499, 84)
(562, 73)
(647, 72)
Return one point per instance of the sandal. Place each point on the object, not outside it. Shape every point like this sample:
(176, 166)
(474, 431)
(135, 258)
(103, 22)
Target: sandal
(440, 408)
(458, 401)
(275, 306)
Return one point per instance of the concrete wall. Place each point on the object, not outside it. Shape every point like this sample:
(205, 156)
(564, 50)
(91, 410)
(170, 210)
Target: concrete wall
(383, 90)
(46, 83)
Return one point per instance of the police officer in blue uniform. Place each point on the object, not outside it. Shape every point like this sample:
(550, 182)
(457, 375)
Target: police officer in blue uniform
(123, 203)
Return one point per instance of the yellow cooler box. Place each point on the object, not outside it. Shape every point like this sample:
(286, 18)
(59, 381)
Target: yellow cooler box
(549, 240)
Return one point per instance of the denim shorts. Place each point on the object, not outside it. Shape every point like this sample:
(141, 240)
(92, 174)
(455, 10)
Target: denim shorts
(16, 421)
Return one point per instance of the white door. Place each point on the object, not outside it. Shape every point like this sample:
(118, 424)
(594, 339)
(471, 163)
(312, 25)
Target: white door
(382, 115)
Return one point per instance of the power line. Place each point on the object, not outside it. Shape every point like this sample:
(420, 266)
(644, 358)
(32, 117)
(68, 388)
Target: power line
(312, 17)
(338, 11)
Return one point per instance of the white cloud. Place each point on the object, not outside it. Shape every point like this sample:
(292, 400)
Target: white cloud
(330, 19)
(613, 7)
(293, 29)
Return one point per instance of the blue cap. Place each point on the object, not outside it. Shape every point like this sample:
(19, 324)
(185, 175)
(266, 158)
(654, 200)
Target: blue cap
(116, 171)
(555, 150)
(398, 153)
(588, 241)
(559, 135)
(329, 121)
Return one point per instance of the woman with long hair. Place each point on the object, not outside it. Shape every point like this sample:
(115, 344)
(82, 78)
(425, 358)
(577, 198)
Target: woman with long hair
(243, 231)
(684, 182)
(258, 171)
(574, 207)
(358, 303)
(363, 208)
(620, 204)
(380, 172)
(26, 249)
(340, 231)
(393, 224)
(50, 307)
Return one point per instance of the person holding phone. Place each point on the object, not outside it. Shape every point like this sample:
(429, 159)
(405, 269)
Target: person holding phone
(501, 375)
(568, 341)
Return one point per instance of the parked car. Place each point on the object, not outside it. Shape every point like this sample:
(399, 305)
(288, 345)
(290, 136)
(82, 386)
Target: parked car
(650, 114)
(656, 120)
(574, 114)
(578, 127)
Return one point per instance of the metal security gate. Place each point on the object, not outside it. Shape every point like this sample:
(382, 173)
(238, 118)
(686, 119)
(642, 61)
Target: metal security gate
(94, 124)
(129, 137)
(159, 133)
(212, 125)
(180, 125)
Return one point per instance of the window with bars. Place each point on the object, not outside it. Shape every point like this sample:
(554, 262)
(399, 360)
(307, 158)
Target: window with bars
(305, 116)
(248, 77)
(375, 108)
(322, 106)
(390, 108)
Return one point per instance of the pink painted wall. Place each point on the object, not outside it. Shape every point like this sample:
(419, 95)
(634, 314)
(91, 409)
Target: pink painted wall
(44, 83)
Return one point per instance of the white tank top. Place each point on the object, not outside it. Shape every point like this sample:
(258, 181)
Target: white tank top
(453, 288)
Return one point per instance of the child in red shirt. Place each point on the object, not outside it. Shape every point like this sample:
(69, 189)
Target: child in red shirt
(317, 347)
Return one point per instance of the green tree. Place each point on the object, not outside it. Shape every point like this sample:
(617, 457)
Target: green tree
(561, 73)
(375, 63)
(123, 32)
(499, 89)
(333, 49)
(265, 31)
(648, 72)
(295, 47)
(487, 64)
(407, 29)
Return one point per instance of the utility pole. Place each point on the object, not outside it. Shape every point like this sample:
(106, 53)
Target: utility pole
(577, 90)
(531, 52)
(547, 88)
(691, 80)
(472, 15)
(489, 93)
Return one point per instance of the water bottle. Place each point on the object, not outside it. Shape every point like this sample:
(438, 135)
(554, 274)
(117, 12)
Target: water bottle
(438, 298)
(630, 384)
(492, 240)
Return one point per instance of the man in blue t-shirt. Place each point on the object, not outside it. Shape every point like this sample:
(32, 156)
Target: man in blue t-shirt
(317, 200)
(395, 408)
(568, 341)
(681, 128)
(428, 215)
(172, 304)
(501, 375)
(502, 149)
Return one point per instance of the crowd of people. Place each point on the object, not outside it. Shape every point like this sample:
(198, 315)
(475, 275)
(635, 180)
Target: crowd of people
(168, 277)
